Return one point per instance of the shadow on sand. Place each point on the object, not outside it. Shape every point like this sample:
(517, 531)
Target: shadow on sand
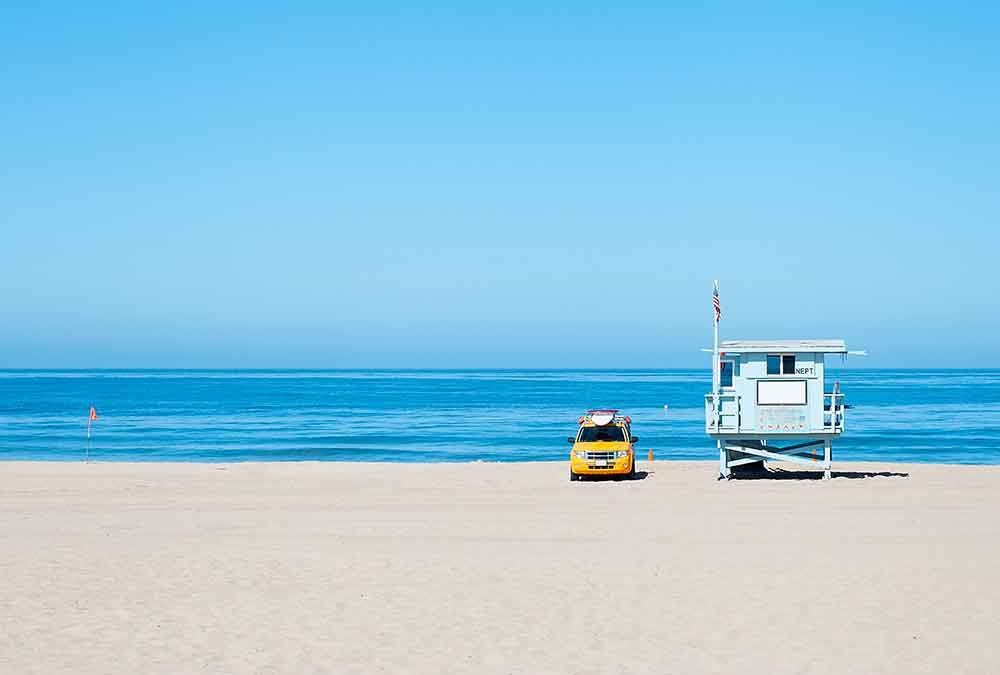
(639, 475)
(785, 474)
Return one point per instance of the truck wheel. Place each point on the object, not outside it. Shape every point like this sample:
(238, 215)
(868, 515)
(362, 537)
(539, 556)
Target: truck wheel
(573, 476)
(631, 473)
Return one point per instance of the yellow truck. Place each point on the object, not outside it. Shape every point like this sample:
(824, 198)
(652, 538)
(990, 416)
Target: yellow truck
(603, 446)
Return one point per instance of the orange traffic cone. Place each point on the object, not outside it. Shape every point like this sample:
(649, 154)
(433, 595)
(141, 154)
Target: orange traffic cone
(650, 455)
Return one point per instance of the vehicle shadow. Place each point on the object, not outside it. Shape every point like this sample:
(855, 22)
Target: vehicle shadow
(639, 475)
(786, 474)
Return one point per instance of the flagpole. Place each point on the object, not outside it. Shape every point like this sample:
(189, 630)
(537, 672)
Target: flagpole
(715, 348)
(716, 383)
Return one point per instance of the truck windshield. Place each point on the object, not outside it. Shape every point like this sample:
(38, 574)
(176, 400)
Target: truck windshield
(608, 433)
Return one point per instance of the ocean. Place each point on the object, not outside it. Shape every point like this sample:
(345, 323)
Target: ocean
(948, 416)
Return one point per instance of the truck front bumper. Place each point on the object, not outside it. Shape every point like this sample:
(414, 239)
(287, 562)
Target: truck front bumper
(582, 467)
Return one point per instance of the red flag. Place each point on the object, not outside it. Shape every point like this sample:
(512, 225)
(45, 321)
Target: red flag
(93, 414)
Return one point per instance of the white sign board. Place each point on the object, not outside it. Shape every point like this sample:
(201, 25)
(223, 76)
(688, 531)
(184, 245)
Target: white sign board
(781, 392)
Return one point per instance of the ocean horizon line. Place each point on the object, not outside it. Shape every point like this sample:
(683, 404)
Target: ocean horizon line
(491, 369)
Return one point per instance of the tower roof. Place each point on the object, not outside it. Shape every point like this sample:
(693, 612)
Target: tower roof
(800, 346)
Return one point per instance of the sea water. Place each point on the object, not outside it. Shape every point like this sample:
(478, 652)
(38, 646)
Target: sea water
(454, 415)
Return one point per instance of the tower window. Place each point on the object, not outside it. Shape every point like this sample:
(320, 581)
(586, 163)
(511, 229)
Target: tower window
(781, 364)
(725, 374)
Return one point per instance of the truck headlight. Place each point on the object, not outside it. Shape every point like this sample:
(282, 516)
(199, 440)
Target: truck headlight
(621, 453)
(582, 454)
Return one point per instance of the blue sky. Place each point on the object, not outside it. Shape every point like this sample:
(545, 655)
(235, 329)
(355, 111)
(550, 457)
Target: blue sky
(325, 185)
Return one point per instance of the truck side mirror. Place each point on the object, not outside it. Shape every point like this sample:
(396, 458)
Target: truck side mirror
(570, 439)
(635, 439)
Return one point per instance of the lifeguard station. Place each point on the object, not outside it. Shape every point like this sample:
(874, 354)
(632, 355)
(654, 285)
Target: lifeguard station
(770, 402)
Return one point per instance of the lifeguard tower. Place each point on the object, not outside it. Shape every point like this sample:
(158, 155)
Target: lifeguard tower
(770, 402)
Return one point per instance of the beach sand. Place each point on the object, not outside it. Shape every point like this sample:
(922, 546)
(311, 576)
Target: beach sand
(495, 568)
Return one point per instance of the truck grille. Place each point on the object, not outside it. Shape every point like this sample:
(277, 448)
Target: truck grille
(591, 456)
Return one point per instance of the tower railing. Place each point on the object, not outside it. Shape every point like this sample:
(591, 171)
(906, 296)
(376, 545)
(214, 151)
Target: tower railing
(717, 421)
(833, 411)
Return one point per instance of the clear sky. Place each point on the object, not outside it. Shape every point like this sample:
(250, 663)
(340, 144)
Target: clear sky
(424, 184)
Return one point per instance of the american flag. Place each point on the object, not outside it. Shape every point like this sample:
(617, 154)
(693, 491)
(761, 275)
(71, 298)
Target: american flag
(715, 303)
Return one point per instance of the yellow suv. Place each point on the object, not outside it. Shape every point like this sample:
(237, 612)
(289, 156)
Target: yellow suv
(603, 446)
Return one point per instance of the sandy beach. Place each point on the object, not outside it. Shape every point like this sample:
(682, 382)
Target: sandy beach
(496, 568)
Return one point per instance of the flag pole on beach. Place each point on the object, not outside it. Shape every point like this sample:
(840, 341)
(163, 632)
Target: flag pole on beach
(90, 420)
(715, 347)
(716, 380)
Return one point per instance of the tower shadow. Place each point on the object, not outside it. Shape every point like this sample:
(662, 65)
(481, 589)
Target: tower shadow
(761, 473)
